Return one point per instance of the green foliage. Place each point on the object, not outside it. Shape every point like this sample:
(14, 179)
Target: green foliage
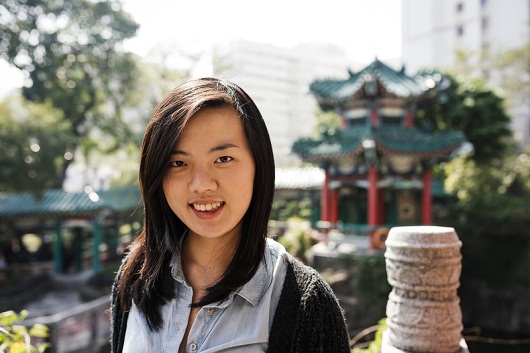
(327, 122)
(33, 141)
(376, 344)
(468, 106)
(15, 338)
(283, 209)
(493, 199)
(70, 54)
(492, 217)
(372, 280)
(295, 239)
(514, 67)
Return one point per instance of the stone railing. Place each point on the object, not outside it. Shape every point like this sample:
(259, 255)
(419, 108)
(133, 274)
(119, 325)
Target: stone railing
(84, 328)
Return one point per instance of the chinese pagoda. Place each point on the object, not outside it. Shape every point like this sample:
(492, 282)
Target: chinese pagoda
(377, 165)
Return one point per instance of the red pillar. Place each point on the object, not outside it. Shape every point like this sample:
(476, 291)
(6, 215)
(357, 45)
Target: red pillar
(408, 118)
(324, 199)
(374, 116)
(426, 209)
(343, 124)
(372, 196)
(333, 206)
(380, 207)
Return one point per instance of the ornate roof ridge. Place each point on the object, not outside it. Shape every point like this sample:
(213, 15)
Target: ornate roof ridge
(396, 82)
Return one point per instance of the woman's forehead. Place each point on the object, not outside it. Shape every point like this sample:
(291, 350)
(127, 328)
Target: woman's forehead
(212, 124)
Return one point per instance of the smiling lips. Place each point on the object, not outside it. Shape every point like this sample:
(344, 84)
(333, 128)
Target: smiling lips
(207, 207)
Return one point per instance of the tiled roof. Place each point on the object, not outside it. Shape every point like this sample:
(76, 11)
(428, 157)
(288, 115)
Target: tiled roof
(58, 203)
(123, 199)
(413, 141)
(344, 142)
(388, 140)
(394, 82)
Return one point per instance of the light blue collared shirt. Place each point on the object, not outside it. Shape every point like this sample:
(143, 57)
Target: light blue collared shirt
(239, 323)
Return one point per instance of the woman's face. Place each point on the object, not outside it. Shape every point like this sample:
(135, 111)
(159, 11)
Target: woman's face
(211, 174)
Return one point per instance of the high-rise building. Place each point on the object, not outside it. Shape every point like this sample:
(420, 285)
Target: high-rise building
(435, 32)
(278, 80)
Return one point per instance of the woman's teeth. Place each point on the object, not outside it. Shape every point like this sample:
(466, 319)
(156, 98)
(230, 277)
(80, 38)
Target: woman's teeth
(207, 207)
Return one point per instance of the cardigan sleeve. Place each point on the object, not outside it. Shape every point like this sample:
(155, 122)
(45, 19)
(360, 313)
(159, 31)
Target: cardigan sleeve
(308, 318)
(118, 318)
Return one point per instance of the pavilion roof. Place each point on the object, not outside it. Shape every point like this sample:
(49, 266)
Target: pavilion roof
(331, 92)
(388, 140)
(59, 203)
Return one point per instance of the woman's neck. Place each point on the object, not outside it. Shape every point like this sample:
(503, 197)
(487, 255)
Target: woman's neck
(204, 260)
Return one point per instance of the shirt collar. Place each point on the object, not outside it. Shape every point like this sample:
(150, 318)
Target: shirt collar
(254, 289)
(176, 265)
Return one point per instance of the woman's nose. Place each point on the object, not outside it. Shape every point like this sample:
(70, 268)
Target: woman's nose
(202, 180)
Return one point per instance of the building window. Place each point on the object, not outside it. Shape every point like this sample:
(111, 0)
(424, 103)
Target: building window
(484, 23)
(459, 7)
(460, 30)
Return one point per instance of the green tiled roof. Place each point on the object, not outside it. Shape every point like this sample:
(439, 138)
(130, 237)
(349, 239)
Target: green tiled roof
(388, 140)
(413, 141)
(395, 82)
(122, 199)
(58, 203)
(344, 142)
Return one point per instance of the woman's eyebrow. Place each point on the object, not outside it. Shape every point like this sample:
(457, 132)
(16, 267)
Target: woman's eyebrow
(178, 152)
(221, 147)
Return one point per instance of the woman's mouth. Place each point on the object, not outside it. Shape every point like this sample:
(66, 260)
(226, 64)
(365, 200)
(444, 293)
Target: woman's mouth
(207, 207)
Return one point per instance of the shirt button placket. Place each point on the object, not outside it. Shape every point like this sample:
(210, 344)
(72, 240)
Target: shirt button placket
(193, 346)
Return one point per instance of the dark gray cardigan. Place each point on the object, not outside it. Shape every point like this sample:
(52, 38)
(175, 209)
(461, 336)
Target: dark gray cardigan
(308, 317)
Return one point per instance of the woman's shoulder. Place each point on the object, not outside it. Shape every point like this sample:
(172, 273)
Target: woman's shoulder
(307, 280)
(307, 301)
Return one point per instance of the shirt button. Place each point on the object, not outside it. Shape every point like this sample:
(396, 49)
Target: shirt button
(193, 346)
(210, 310)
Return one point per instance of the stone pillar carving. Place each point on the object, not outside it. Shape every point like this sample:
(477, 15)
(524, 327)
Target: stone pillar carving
(423, 312)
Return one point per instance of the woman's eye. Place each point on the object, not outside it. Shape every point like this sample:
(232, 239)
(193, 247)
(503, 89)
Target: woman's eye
(177, 163)
(223, 159)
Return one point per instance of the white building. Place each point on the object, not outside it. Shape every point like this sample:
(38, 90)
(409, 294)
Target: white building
(434, 31)
(278, 80)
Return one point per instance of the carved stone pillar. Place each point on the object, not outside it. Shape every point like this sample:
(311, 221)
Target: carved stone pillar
(423, 312)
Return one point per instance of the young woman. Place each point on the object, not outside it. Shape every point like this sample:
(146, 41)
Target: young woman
(203, 276)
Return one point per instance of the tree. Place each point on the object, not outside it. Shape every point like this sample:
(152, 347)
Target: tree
(70, 55)
(468, 106)
(15, 337)
(34, 143)
(494, 198)
(492, 216)
(156, 78)
(514, 68)
(327, 122)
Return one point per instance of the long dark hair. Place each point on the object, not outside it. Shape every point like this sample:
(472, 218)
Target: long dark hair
(145, 276)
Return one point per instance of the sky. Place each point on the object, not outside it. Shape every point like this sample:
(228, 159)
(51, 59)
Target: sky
(365, 29)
